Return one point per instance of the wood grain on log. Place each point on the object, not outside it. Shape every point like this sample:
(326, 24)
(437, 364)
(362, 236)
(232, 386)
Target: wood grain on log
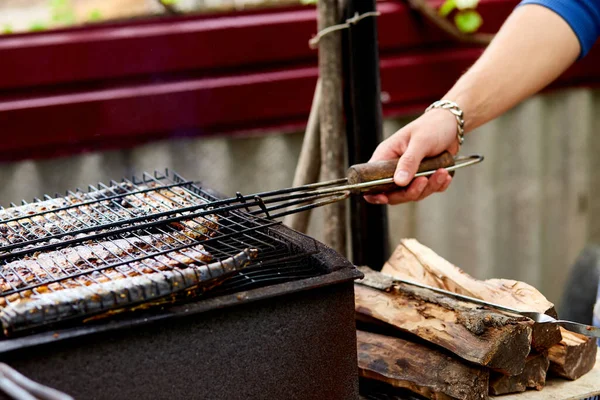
(481, 336)
(532, 377)
(574, 356)
(419, 368)
(413, 261)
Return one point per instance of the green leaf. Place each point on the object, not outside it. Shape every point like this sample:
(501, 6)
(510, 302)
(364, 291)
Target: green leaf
(308, 2)
(95, 16)
(468, 21)
(447, 7)
(7, 29)
(58, 3)
(169, 2)
(37, 26)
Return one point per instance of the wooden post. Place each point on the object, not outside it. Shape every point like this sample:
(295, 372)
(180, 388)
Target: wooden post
(309, 162)
(331, 120)
(368, 222)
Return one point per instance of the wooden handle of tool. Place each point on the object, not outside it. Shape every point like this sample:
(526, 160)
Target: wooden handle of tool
(373, 171)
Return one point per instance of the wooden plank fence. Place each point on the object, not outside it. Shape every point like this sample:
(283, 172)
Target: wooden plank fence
(525, 213)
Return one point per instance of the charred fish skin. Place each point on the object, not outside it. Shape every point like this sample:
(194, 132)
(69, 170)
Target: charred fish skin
(81, 301)
(93, 257)
(22, 223)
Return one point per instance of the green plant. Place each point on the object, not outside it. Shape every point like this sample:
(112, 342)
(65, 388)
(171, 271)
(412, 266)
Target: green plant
(7, 29)
(62, 12)
(95, 16)
(38, 26)
(466, 18)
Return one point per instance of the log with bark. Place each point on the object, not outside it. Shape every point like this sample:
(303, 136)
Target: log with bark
(532, 377)
(413, 261)
(574, 356)
(419, 368)
(474, 333)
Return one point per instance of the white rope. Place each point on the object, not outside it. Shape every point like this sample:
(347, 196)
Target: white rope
(314, 42)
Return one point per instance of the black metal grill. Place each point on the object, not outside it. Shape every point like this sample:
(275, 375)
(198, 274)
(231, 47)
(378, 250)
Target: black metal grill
(134, 228)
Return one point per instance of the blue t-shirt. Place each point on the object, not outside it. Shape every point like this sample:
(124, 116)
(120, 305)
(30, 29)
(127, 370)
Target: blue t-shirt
(583, 16)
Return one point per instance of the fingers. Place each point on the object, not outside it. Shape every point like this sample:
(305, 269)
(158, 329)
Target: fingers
(376, 199)
(446, 184)
(411, 193)
(409, 163)
(435, 183)
(392, 147)
(419, 189)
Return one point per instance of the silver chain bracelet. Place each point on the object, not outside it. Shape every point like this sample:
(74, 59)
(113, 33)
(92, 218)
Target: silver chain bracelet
(458, 113)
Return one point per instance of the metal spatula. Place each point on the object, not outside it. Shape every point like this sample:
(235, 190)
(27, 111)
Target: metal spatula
(384, 282)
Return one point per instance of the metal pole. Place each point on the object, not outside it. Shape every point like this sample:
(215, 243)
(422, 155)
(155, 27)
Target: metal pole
(364, 120)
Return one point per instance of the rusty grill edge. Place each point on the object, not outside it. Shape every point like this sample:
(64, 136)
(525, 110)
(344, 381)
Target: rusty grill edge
(283, 327)
(136, 228)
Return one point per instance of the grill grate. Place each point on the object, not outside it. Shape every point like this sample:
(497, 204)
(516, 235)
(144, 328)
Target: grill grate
(91, 244)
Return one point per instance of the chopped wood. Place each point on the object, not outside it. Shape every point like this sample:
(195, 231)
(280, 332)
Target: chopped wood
(585, 387)
(419, 368)
(532, 377)
(413, 261)
(478, 335)
(574, 356)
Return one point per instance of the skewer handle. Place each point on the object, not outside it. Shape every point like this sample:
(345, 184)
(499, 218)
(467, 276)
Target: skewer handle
(367, 172)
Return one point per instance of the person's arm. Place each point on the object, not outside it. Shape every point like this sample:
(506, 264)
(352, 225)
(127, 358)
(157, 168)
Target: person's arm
(533, 47)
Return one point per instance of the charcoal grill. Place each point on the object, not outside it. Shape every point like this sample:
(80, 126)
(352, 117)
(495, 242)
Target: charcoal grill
(280, 327)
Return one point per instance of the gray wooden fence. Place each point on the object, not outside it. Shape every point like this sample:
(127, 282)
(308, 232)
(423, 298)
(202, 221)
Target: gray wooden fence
(525, 213)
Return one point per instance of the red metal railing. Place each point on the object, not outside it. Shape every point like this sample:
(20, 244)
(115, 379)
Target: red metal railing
(121, 84)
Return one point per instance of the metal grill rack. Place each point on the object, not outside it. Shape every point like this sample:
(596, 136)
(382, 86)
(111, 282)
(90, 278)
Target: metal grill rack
(134, 228)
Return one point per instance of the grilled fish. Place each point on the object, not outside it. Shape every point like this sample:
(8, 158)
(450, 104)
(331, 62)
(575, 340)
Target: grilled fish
(72, 302)
(75, 212)
(55, 265)
(97, 275)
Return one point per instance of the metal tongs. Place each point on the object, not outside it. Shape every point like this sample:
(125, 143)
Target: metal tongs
(538, 317)
(368, 178)
(384, 282)
(19, 387)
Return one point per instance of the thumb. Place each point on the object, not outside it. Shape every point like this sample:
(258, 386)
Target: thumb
(408, 164)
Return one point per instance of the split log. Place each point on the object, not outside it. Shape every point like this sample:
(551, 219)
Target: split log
(574, 356)
(413, 261)
(421, 369)
(532, 377)
(478, 335)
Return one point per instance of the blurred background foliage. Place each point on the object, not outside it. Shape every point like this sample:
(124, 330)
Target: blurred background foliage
(19, 16)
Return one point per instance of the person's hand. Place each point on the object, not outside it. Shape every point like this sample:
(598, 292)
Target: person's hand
(427, 136)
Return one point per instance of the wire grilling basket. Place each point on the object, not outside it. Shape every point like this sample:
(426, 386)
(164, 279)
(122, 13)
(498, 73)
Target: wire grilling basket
(130, 243)
(156, 239)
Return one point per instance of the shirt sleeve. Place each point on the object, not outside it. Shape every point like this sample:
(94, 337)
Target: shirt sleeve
(583, 16)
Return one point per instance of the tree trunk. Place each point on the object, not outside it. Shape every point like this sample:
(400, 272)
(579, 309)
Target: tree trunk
(331, 121)
(413, 261)
(484, 337)
(419, 368)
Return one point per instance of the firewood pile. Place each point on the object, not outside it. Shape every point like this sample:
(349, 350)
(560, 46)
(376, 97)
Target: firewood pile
(441, 347)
